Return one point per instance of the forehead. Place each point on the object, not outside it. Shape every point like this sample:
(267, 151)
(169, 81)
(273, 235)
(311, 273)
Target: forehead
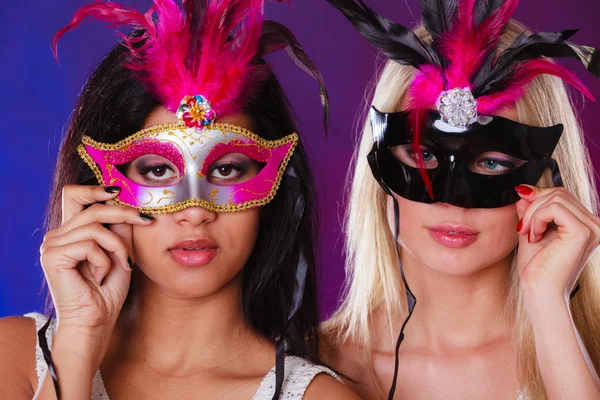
(162, 116)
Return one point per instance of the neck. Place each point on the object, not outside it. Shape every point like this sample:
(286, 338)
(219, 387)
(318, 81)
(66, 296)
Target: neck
(182, 335)
(457, 312)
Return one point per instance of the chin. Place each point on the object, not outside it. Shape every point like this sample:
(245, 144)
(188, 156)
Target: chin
(193, 287)
(455, 268)
(180, 281)
(461, 262)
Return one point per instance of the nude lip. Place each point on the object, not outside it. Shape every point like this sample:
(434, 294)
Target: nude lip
(194, 252)
(453, 235)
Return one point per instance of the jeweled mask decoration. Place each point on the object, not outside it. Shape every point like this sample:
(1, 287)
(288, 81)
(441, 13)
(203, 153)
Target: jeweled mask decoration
(202, 62)
(459, 74)
(168, 168)
(472, 166)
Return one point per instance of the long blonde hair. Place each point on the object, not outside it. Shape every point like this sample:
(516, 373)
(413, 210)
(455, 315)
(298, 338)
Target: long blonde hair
(373, 277)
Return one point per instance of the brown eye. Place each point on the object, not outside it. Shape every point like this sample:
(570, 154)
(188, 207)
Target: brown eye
(231, 169)
(225, 170)
(152, 170)
(158, 172)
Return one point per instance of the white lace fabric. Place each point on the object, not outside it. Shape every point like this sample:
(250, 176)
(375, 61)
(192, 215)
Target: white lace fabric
(299, 373)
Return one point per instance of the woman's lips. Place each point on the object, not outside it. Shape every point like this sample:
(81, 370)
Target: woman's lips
(194, 253)
(453, 235)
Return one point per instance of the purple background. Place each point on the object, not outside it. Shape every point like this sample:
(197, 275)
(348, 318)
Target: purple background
(37, 96)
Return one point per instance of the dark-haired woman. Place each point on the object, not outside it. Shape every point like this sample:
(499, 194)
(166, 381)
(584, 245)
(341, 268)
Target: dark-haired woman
(189, 271)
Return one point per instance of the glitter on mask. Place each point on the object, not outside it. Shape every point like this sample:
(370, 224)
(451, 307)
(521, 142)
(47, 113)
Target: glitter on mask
(243, 146)
(189, 150)
(145, 147)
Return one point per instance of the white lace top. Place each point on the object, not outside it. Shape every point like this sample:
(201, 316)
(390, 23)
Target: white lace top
(299, 373)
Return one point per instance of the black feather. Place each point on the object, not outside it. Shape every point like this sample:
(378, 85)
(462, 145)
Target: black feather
(526, 48)
(195, 12)
(438, 16)
(485, 8)
(276, 37)
(395, 41)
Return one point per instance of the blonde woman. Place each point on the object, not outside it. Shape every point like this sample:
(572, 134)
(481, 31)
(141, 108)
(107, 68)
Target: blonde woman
(471, 264)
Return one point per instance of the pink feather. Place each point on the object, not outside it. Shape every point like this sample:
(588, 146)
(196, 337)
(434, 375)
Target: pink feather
(458, 46)
(426, 87)
(116, 14)
(423, 93)
(467, 46)
(416, 119)
(524, 76)
(222, 67)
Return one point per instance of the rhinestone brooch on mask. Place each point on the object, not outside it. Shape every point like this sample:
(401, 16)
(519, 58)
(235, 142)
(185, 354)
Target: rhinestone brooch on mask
(196, 112)
(458, 107)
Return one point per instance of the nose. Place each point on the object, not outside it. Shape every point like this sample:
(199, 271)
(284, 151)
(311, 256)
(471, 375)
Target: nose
(194, 216)
(456, 187)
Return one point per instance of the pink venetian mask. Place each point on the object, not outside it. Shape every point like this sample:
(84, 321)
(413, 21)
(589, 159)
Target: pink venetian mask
(167, 168)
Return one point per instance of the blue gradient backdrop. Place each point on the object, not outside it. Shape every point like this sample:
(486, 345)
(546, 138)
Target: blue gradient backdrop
(37, 97)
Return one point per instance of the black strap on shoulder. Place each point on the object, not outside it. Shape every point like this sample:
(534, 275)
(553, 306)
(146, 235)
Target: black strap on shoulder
(297, 295)
(411, 300)
(48, 355)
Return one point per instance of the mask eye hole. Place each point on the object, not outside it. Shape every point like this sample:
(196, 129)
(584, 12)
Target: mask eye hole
(233, 168)
(151, 170)
(406, 155)
(495, 163)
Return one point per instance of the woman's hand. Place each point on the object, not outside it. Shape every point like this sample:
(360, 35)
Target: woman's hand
(88, 270)
(87, 266)
(557, 236)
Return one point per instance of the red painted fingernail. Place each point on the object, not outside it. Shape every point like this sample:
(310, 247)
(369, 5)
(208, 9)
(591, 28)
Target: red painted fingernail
(520, 225)
(524, 190)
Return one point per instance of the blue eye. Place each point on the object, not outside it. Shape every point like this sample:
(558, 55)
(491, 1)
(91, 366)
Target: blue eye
(427, 156)
(404, 153)
(491, 164)
(495, 163)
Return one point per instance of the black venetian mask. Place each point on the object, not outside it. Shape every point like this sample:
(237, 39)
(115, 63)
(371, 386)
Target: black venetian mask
(477, 166)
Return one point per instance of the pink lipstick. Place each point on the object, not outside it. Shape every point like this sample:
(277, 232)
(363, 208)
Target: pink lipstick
(453, 235)
(194, 252)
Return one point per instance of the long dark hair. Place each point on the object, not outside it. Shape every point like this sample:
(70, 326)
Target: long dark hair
(113, 105)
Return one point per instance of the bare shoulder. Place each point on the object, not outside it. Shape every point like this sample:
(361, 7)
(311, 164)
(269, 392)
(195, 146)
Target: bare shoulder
(18, 378)
(17, 342)
(324, 386)
(347, 357)
(351, 360)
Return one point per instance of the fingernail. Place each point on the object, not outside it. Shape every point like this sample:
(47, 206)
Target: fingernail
(147, 217)
(97, 278)
(524, 190)
(112, 189)
(130, 263)
(520, 225)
